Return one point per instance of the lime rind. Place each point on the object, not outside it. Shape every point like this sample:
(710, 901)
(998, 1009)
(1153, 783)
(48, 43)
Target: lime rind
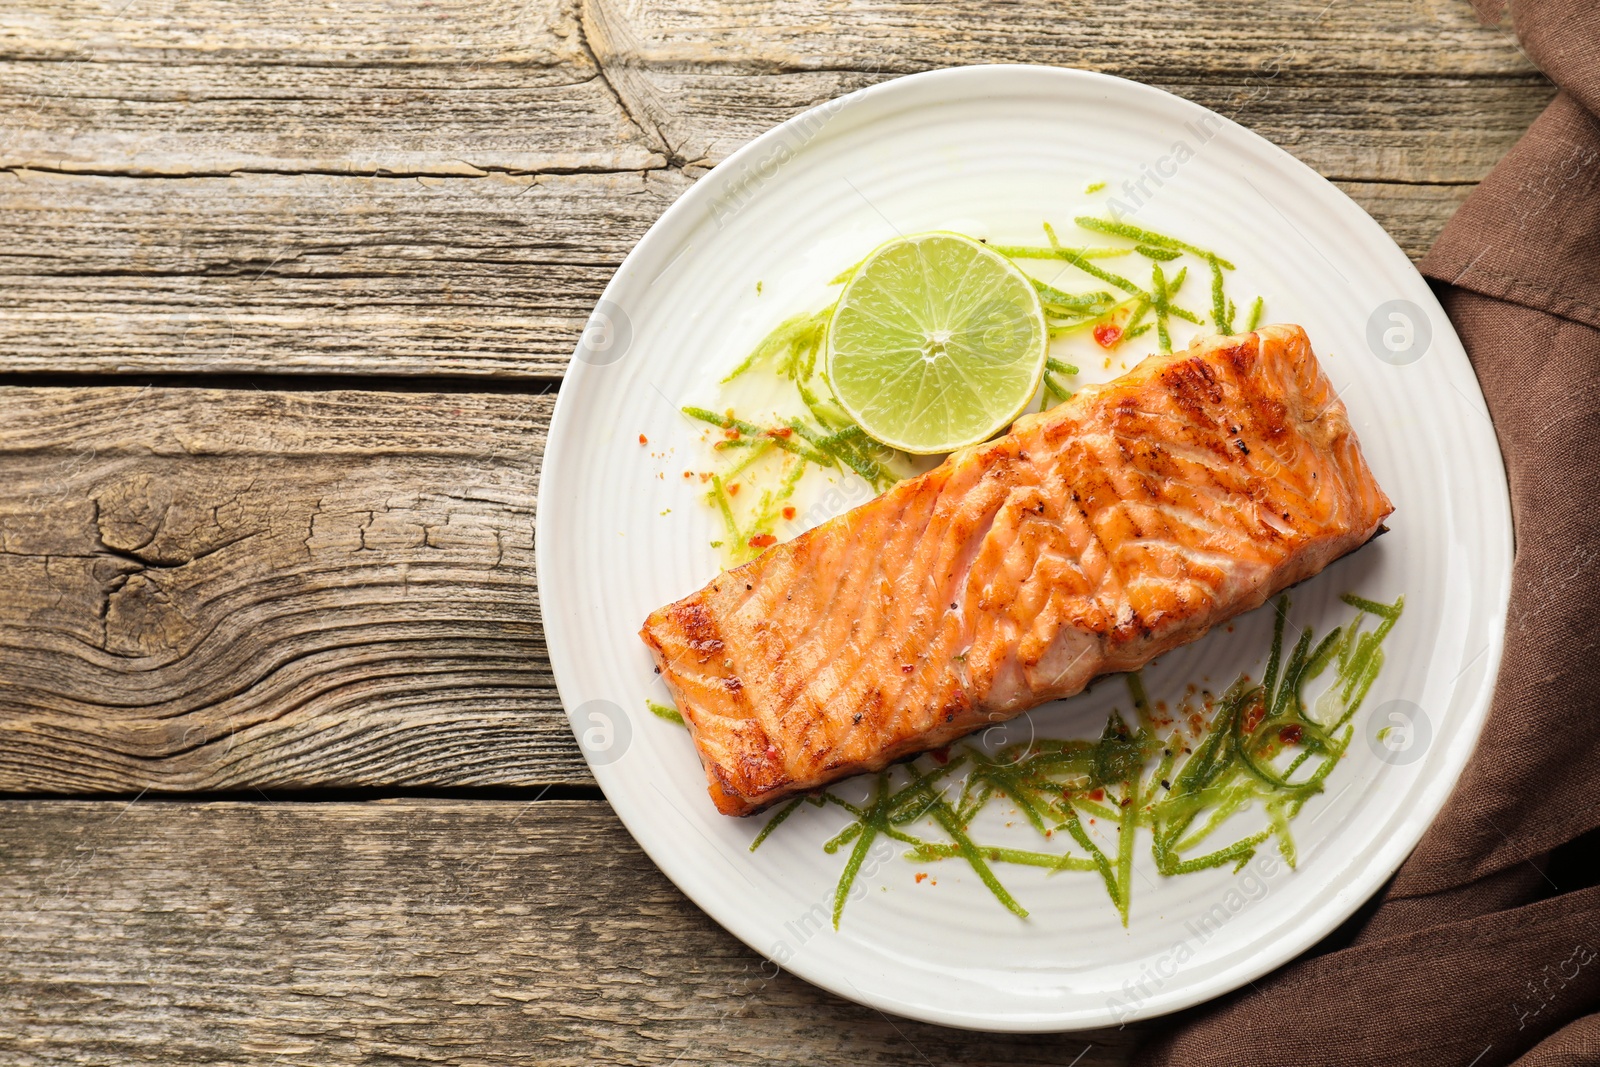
(937, 343)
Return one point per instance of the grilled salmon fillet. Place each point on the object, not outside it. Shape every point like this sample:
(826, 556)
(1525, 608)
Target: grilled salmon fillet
(1092, 538)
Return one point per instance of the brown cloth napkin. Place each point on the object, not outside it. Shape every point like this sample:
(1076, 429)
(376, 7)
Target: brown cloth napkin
(1485, 948)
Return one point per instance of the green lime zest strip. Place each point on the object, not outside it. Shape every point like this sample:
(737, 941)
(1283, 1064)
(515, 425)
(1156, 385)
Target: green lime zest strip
(1125, 842)
(750, 429)
(766, 517)
(772, 823)
(1280, 615)
(1048, 252)
(1074, 826)
(1145, 237)
(838, 448)
(1172, 290)
(665, 711)
(1238, 853)
(877, 818)
(1255, 315)
(1078, 260)
(844, 837)
(1388, 612)
(1221, 309)
(1022, 857)
(793, 333)
(1159, 301)
(852, 868)
(754, 454)
(719, 497)
(1096, 301)
(946, 818)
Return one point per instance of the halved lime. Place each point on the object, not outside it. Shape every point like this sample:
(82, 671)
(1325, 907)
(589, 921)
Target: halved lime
(937, 343)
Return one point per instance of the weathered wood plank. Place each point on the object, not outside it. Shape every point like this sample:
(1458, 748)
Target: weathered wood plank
(312, 272)
(199, 121)
(1406, 90)
(1119, 36)
(1405, 36)
(203, 119)
(232, 589)
(448, 88)
(319, 273)
(423, 932)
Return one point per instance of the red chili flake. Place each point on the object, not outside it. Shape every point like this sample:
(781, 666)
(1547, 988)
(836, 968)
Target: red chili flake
(907, 668)
(688, 474)
(788, 513)
(1290, 734)
(941, 755)
(920, 876)
(762, 540)
(643, 440)
(1106, 335)
(1098, 794)
(733, 490)
(731, 433)
(780, 431)
(1253, 717)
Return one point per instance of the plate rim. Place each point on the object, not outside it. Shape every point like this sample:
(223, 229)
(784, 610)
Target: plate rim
(680, 216)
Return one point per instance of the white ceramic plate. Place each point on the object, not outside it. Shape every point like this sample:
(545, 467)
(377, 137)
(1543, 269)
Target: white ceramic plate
(992, 151)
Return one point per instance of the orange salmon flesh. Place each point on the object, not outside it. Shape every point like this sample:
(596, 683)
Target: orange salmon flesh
(1091, 538)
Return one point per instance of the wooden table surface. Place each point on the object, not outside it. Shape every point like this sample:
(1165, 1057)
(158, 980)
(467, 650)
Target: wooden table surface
(288, 289)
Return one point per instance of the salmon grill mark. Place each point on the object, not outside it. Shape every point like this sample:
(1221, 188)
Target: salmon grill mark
(1194, 386)
(1272, 417)
(1094, 537)
(1241, 357)
(699, 629)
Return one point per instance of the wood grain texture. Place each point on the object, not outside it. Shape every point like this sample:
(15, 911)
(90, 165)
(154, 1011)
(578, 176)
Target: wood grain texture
(404, 932)
(210, 590)
(202, 86)
(362, 188)
(156, 88)
(286, 273)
